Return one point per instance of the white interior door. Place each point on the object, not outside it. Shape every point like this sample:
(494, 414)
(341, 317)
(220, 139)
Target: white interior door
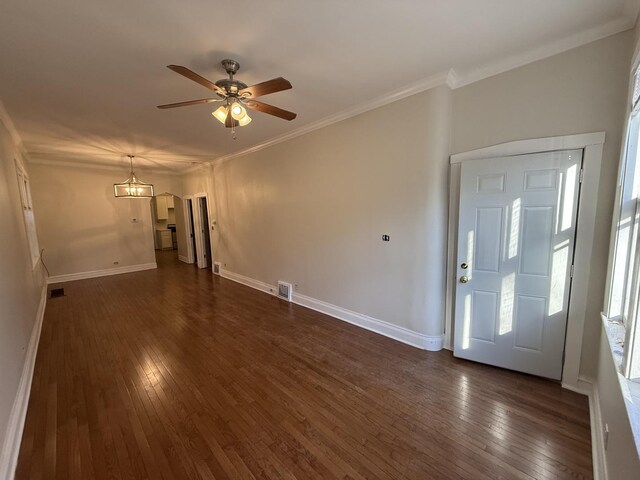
(516, 235)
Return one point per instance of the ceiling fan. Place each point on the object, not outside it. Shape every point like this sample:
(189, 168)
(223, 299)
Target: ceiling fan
(236, 95)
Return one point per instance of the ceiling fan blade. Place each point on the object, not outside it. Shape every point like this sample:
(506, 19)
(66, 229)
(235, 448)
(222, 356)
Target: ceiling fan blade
(270, 109)
(230, 121)
(190, 102)
(191, 75)
(265, 88)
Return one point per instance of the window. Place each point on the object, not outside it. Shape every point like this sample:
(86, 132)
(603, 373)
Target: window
(27, 210)
(623, 296)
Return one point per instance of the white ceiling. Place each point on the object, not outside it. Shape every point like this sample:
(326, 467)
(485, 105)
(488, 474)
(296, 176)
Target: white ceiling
(81, 78)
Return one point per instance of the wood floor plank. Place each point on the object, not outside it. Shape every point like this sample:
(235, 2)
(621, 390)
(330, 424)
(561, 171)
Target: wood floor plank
(178, 374)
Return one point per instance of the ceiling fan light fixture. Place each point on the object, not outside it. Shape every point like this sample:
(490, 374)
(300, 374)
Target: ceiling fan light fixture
(221, 114)
(236, 95)
(237, 111)
(246, 120)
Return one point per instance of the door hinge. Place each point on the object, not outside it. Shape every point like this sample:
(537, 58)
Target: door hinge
(571, 272)
(581, 175)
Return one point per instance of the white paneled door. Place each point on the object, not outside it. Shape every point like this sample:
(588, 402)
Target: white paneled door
(517, 224)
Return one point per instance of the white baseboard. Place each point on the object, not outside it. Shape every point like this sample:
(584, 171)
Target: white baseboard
(587, 386)
(404, 335)
(249, 282)
(597, 433)
(184, 258)
(13, 436)
(401, 334)
(69, 277)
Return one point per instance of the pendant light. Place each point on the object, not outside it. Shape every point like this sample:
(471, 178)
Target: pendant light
(132, 187)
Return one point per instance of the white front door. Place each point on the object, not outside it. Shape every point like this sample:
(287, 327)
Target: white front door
(516, 234)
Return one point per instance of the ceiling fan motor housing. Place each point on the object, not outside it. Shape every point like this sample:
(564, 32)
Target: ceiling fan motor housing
(229, 84)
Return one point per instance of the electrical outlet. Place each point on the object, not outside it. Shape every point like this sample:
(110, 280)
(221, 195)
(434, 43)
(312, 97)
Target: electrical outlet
(116, 263)
(295, 287)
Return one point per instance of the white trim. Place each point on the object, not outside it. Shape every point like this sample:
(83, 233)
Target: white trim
(184, 258)
(587, 386)
(70, 277)
(576, 40)
(47, 160)
(5, 119)
(438, 79)
(592, 143)
(13, 435)
(448, 77)
(199, 227)
(249, 282)
(401, 334)
(535, 145)
(188, 221)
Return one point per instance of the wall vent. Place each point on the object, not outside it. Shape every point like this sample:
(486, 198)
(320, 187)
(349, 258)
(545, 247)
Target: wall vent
(284, 290)
(216, 268)
(57, 292)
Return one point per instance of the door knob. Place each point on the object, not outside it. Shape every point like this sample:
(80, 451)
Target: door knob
(464, 279)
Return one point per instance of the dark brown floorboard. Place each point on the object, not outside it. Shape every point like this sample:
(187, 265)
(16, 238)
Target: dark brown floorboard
(175, 374)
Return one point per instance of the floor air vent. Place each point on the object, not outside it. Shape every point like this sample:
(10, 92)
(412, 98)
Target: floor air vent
(216, 268)
(284, 291)
(57, 292)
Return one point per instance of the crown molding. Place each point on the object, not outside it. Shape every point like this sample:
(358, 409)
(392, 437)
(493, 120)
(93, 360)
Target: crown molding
(454, 79)
(5, 119)
(428, 83)
(584, 37)
(43, 160)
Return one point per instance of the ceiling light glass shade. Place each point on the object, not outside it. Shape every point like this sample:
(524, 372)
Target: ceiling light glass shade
(132, 187)
(221, 114)
(244, 120)
(237, 111)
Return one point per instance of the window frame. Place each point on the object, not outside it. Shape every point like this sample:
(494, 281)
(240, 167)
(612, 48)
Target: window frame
(629, 311)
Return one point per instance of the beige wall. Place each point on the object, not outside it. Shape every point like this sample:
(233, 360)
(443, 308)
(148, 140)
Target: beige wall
(83, 227)
(312, 211)
(21, 286)
(582, 90)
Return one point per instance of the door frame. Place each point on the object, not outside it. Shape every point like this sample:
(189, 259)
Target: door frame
(188, 214)
(198, 224)
(592, 145)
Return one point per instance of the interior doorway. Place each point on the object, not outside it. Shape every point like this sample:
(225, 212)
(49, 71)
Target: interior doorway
(199, 226)
(517, 224)
(191, 238)
(168, 223)
(203, 214)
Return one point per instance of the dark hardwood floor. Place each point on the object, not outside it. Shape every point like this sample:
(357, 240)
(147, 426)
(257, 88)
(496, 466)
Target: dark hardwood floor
(174, 374)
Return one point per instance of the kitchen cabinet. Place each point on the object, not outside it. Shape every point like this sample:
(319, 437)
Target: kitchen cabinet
(162, 209)
(164, 240)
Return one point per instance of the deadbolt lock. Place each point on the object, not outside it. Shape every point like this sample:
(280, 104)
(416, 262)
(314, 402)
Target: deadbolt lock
(464, 279)
(464, 266)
